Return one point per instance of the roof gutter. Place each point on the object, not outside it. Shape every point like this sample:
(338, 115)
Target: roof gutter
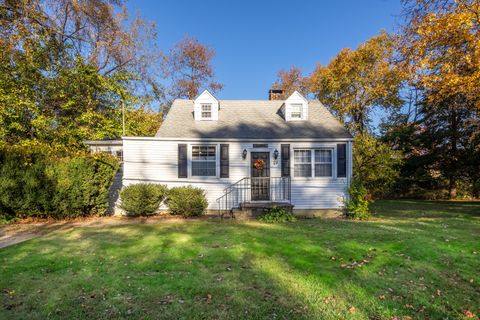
(234, 139)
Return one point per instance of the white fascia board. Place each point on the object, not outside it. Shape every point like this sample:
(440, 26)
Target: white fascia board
(206, 92)
(235, 139)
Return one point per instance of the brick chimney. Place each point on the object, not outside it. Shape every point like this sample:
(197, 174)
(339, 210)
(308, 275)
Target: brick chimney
(276, 94)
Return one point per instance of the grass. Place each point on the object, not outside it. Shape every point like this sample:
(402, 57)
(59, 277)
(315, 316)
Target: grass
(414, 260)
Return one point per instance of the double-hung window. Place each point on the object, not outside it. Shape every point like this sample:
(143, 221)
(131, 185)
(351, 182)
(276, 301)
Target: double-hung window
(321, 158)
(204, 161)
(206, 111)
(323, 162)
(296, 111)
(303, 163)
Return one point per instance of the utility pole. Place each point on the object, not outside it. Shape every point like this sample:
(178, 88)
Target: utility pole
(123, 117)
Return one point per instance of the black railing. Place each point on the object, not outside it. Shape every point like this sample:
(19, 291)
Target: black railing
(248, 189)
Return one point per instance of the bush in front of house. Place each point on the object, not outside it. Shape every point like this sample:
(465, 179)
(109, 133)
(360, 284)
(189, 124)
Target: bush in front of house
(187, 201)
(357, 205)
(39, 183)
(142, 199)
(276, 215)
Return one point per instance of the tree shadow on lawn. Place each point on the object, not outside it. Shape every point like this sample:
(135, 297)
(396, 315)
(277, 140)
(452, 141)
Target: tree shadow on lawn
(308, 269)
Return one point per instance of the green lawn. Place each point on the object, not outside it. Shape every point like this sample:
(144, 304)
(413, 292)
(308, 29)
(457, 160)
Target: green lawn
(415, 259)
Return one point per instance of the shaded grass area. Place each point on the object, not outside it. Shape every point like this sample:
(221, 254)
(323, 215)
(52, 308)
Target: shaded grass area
(416, 259)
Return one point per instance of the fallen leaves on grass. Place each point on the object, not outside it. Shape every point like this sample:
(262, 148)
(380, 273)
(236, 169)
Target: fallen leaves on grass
(10, 293)
(204, 299)
(355, 264)
(168, 299)
(329, 299)
(469, 314)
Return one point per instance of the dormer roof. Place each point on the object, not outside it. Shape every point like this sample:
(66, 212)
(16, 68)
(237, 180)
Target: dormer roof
(295, 108)
(206, 107)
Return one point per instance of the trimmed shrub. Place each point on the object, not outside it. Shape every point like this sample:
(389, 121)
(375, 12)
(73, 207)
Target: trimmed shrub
(36, 184)
(187, 201)
(356, 207)
(142, 199)
(277, 214)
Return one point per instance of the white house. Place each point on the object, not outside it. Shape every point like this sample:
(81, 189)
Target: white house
(247, 151)
(113, 147)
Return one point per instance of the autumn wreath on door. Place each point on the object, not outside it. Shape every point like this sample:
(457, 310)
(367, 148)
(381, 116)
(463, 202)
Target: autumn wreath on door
(259, 164)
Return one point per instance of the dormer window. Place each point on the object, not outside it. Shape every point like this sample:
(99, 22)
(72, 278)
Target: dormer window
(206, 111)
(296, 111)
(206, 107)
(295, 108)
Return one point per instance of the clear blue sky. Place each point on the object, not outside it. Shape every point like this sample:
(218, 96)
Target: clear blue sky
(255, 39)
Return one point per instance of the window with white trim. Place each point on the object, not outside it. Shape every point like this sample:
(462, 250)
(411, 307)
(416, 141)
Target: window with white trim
(296, 111)
(302, 163)
(323, 162)
(321, 158)
(206, 111)
(204, 161)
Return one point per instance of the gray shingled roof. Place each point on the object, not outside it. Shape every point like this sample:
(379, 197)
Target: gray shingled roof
(250, 119)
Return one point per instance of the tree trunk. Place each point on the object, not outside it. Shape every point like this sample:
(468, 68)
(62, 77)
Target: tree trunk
(452, 188)
(452, 185)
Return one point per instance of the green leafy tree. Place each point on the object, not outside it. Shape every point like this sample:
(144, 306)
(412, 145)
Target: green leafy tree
(375, 163)
(438, 47)
(65, 72)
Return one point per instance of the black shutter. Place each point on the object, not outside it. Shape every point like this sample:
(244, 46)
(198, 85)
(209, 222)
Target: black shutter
(224, 161)
(182, 161)
(341, 160)
(285, 160)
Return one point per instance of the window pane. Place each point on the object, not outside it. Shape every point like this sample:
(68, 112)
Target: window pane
(195, 153)
(203, 168)
(323, 170)
(302, 156)
(203, 153)
(296, 108)
(303, 170)
(302, 165)
(296, 111)
(203, 161)
(206, 107)
(323, 156)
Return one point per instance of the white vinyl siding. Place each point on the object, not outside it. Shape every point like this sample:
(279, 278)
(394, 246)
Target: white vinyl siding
(205, 107)
(156, 161)
(204, 161)
(296, 108)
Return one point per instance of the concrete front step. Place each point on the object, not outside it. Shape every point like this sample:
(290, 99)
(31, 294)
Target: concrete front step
(265, 205)
(252, 210)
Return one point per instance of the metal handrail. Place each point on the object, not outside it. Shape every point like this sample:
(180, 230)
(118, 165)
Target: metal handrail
(234, 184)
(274, 189)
